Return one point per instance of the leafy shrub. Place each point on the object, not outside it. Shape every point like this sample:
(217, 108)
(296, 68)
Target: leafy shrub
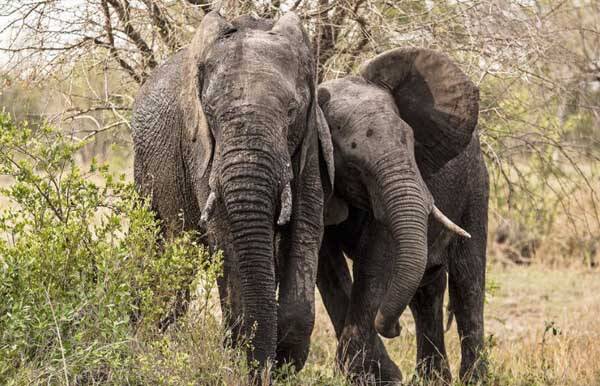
(80, 255)
(543, 174)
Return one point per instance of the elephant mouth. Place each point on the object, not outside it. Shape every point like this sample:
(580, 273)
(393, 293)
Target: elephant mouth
(285, 205)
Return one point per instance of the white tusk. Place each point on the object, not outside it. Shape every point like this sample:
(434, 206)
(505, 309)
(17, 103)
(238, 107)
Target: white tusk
(286, 205)
(445, 221)
(208, 208)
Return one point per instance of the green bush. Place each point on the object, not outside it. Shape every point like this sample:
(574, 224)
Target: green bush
(543, 175)
(85, 278)
(80, 255)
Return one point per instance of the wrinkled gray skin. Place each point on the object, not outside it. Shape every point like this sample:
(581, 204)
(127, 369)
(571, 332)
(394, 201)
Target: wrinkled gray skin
(404, 139)
(234, 116)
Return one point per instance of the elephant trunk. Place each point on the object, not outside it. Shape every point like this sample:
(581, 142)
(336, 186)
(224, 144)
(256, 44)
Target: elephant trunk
(249, 195)
(405, 210)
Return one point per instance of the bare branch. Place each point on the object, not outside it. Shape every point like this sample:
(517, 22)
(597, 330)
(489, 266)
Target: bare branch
(163, 24)
(206, 5)
(123, 8)
(113, 49)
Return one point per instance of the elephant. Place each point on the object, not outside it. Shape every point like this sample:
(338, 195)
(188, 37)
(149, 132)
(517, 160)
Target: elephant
(409, 207)
(230, 142)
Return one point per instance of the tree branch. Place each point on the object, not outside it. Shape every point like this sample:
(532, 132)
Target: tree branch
(165, 30)
(271, 8)
(122, 7)
(111, 45)
(205, 5)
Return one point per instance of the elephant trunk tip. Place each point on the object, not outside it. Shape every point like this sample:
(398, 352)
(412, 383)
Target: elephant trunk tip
(387, 327)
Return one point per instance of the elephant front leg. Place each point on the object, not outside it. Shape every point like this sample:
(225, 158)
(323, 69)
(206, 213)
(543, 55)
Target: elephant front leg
(428, 312)
(361, 352)
(296, 312)
(231, 307)
(298, 273)
(229, 282)
(334, 281)
(466, 266)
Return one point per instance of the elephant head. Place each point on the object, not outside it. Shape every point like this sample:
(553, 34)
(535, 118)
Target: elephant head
(251, 111)
(408, 113)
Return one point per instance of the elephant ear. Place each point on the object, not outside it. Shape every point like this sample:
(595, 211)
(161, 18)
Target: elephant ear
(196, 127)
(325, 151)
(433, 96)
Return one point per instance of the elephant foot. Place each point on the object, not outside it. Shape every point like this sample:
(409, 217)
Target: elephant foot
(433, 370)
(475, 374)
(362, 356)
(261, 376)
(293, 356)
(294, 328)
(177, 311)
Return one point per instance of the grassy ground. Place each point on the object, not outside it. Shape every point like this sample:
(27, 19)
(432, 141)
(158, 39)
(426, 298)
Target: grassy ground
(542, 325)
(542, 328)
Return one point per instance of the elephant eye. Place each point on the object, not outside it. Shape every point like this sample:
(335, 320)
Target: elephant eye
(291, 113)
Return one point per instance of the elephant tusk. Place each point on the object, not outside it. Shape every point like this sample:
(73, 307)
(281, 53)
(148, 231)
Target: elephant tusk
(286, 205)
(208, 208)
(445, 221)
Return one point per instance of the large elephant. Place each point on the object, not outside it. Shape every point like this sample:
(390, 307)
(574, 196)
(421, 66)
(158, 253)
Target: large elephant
(229, 139)
(404, 138)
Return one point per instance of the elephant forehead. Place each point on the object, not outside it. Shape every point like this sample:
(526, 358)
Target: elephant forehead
(356, 105)
(263, 53)
(364, 119)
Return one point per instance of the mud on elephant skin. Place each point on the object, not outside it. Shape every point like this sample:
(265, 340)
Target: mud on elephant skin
(227, 135)
(406, 152)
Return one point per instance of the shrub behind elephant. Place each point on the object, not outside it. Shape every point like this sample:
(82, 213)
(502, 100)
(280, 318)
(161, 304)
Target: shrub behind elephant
(404, 138)
(227, 133)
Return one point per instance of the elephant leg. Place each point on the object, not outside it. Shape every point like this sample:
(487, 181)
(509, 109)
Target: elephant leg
(296, 311)
(231, 307)
(229, 282)
(466, 267)
(298, 273)
(334, 282)
(361, 352)
(427, 309)
(182, 296)
(179, 307)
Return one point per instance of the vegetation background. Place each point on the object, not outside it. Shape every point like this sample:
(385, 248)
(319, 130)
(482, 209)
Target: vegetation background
(81, 259)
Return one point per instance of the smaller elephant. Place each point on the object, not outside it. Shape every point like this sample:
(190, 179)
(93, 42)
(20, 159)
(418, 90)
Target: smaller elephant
(404, 138)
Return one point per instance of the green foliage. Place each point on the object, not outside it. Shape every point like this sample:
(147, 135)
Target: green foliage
(80, 254)
(537, 168)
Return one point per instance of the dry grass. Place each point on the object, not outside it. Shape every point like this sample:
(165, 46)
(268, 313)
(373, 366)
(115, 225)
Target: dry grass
(525, 307)
(542, 328)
